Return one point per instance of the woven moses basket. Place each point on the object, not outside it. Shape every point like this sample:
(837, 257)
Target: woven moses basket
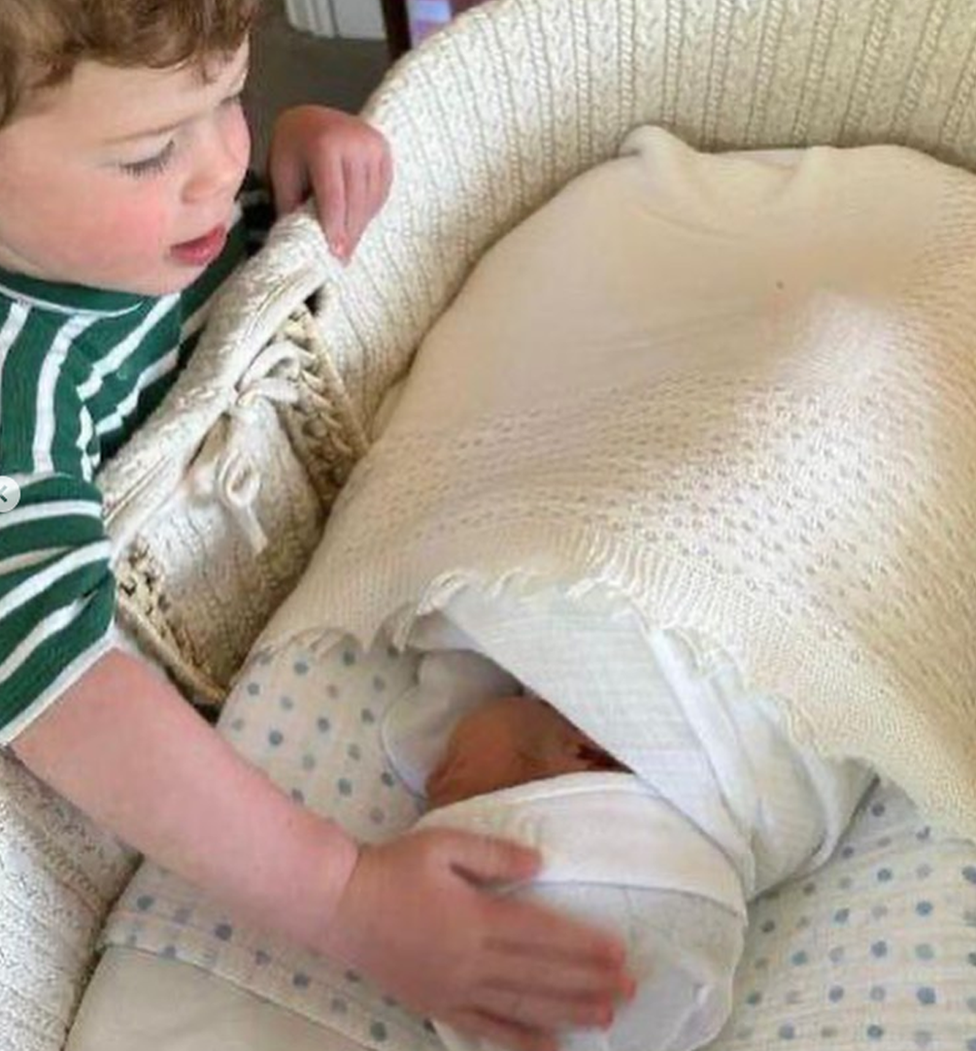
(487, 121)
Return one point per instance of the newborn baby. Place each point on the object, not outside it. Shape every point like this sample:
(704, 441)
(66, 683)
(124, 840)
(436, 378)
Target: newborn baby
(514, 767)
(725, 805)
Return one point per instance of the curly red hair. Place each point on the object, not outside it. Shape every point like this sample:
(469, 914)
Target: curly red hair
(41, 41)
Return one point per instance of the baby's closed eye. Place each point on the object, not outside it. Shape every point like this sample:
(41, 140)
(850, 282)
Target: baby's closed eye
(596, 758)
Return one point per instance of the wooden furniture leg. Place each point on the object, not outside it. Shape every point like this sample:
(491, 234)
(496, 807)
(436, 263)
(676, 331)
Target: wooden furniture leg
(397, 24)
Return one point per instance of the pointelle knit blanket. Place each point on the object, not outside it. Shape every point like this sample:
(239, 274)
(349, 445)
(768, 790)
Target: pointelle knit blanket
(736, 391)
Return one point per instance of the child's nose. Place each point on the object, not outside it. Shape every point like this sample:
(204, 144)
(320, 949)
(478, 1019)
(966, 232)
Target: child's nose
(221, 163)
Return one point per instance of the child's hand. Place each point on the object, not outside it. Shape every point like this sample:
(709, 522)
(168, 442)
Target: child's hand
(418, 918)
(342, 160)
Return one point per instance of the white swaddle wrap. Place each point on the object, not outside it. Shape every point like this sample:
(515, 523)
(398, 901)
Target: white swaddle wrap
(619, 857)
(723, 807)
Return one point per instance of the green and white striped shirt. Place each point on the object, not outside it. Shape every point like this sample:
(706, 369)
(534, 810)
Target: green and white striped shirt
(80, 368)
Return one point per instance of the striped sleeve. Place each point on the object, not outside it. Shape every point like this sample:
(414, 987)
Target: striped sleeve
(57, 593)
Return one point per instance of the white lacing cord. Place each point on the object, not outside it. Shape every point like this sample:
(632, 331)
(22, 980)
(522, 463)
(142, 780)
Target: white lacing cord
(225, 468)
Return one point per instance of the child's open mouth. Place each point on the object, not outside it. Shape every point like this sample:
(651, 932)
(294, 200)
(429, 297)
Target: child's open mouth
(202, 250)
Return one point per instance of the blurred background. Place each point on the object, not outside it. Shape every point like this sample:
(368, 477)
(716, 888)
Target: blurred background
(290, 66)
(333, 52)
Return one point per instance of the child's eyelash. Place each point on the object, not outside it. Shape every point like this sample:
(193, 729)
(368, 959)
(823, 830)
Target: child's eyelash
(158, 164)
(150, 166)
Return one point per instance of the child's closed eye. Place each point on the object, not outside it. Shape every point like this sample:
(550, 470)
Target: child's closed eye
(154, 165)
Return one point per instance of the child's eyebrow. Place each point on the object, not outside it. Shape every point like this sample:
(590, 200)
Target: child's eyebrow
(145, 133)
(165, 129)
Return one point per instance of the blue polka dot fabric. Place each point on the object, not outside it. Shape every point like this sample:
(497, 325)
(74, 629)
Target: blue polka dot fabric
(876, 950)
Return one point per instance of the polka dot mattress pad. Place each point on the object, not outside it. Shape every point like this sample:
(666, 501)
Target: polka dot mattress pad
(875, 950)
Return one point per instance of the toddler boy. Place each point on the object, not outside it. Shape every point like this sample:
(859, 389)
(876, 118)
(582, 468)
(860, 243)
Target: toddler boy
(123, 148)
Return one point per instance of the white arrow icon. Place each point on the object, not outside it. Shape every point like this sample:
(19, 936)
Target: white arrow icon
(9, 494)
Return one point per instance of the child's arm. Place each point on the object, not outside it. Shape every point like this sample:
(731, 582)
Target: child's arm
(125, 747)
(412, 914)
(340, 159)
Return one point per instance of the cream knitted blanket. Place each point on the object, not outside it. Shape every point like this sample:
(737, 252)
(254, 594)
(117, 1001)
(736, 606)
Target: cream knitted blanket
(740, 392)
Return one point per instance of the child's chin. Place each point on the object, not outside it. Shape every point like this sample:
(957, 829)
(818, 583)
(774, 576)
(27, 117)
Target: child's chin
(165, 284)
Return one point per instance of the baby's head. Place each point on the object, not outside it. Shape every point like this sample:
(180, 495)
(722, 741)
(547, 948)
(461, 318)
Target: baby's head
(122, 140)
(511, 741)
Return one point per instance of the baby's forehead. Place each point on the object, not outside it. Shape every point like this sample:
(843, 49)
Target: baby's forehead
(497, 708)
(495, 714)
(516, 712)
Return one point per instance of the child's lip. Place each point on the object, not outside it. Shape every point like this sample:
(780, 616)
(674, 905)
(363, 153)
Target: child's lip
(201, 250)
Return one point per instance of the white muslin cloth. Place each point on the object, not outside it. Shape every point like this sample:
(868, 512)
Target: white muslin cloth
(721, 806)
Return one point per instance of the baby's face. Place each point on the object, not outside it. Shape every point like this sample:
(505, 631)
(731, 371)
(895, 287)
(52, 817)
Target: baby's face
(510, 741)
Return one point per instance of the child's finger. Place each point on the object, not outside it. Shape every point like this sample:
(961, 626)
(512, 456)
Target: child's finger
(380, 173)
(371, 177)
(487, 859)
(557, 940)
(563, 984)
(330, 196)
(543, 1010)
(386, 175)
(355, 173)
(288, 184)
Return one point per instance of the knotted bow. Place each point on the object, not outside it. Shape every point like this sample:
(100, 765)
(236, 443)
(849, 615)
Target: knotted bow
(226, 467)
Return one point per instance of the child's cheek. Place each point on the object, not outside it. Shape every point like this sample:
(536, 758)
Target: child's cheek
(138, 222)
(240, 137)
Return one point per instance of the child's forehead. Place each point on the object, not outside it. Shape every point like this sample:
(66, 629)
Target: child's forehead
(114, 103)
